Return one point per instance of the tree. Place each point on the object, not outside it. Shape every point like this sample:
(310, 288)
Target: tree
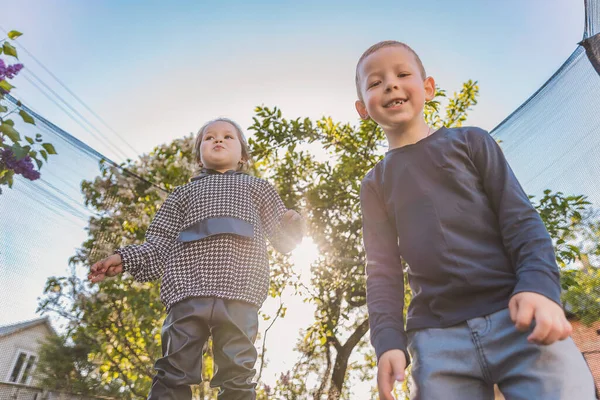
(71, 369)
(17, 155)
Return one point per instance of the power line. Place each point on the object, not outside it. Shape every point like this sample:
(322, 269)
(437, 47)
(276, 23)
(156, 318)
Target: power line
(81, 145)
(87, 107)
(100, 138)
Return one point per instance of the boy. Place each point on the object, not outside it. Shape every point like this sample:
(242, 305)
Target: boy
(482, 267)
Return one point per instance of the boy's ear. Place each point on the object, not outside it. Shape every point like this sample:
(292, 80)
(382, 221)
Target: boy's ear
(429, 84)
(361, 109)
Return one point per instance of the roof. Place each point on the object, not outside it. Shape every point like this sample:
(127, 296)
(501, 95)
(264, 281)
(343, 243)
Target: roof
(21, 326)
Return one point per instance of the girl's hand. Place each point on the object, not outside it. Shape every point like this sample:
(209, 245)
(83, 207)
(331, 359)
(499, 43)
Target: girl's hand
(108, 267)
(293, 224)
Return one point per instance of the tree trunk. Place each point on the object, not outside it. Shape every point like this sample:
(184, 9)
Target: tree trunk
(341, 360)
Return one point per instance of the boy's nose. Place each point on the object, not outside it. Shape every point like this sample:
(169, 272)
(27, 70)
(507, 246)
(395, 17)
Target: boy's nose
(391, 85)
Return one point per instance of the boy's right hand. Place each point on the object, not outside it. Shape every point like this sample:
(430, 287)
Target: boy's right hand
(110, 266)
(390, 369)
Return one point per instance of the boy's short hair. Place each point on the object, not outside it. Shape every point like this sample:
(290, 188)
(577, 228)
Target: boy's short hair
(381, 45)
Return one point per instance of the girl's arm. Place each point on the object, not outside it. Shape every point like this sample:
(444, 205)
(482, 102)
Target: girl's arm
(146, 261)
(283, 227)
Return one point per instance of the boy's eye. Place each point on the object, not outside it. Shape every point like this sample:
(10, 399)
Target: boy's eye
(402, 75)
(228, 137)
(373, 84)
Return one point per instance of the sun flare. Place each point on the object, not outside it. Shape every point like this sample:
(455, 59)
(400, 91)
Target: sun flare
(303, 256)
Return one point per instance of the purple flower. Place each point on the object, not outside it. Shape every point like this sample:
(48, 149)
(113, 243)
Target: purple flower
(24, 166)
(2, 69)
(9, 72)
(13, 70)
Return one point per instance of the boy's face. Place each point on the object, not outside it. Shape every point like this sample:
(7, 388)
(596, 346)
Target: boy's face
(393, 90)
(220, 148)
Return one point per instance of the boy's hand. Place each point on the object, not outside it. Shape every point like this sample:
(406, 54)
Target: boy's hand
(293, 225)
(550, 321)
(390, 369)
(110, 266)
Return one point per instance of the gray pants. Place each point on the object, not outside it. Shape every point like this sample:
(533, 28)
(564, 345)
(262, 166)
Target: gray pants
(233, 326)
(464, 361)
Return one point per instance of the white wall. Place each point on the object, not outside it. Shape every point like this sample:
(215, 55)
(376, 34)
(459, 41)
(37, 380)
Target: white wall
(27, 340)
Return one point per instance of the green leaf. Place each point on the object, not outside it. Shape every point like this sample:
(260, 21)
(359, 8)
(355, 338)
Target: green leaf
(44, 154)
(49, 148)
(9, 50)
(39, 163)
(6, 86)
(14, 34)
(10, 122)
(3, 108)
(29, 140)
(20, 152)
(9, 131)
(26, 117)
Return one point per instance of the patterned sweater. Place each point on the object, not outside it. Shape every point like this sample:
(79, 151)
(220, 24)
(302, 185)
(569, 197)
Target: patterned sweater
(208, 240)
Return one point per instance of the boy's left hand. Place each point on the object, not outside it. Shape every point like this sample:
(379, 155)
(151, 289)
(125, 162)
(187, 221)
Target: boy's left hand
(293, 224)
(550, 321)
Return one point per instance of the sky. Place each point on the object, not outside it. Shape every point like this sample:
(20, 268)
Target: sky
(155, 71)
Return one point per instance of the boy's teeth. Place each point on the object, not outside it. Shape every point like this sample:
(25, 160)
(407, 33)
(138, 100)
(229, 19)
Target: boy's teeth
(395, 103)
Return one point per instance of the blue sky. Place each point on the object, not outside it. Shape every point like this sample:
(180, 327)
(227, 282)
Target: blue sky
(158, 70)
(155, 71)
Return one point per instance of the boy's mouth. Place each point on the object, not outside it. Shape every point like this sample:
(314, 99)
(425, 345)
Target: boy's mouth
(395, 103)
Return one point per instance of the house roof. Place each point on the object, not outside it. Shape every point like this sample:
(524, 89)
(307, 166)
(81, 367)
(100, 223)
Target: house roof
(6, 330)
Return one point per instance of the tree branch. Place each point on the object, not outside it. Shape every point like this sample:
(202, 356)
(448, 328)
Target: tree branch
(264, 342)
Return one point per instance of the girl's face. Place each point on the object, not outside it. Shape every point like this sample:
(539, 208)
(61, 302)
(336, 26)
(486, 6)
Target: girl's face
(221, 148)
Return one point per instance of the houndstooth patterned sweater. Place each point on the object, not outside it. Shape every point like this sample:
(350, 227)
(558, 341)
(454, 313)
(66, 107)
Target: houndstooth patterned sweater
(208, 240)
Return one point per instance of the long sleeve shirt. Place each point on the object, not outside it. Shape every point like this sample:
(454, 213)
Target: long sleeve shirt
(208, 239)
(451, 207)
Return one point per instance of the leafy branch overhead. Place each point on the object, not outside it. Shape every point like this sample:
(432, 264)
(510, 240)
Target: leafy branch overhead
(17, 154)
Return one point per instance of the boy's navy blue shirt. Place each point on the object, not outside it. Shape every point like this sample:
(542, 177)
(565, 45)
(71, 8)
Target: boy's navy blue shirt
(451, 207)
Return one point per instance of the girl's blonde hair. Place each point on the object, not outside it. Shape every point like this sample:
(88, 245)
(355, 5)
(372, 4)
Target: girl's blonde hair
(242, 166)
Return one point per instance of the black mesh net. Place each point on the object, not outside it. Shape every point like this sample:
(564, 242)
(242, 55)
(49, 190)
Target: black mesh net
(553, 143)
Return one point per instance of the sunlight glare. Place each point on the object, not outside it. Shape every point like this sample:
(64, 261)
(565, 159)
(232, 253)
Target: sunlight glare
(303, 256)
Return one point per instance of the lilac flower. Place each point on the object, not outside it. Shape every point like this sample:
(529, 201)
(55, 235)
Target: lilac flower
(13, 70)
(23, 166)
(9, 72)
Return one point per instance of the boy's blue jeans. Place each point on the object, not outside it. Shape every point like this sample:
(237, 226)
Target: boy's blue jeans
(464, 361)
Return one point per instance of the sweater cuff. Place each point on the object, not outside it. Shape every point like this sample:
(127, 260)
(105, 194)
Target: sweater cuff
(126, 254)
(390, 339)
(538, 282)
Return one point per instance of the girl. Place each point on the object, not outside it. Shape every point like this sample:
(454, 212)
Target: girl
(207, 243)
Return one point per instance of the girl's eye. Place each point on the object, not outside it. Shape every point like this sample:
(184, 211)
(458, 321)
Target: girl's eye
(208, 137)
(228, 137)
(373, 84)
